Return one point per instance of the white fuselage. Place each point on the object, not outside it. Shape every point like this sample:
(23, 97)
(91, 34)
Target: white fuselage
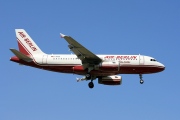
(111, 64)
(63, 59)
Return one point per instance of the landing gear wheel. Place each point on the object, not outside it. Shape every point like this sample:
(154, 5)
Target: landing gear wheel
(88, 76)
(91, 85)
(141, 81)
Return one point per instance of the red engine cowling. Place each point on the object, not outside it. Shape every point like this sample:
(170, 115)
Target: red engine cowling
(110, 80)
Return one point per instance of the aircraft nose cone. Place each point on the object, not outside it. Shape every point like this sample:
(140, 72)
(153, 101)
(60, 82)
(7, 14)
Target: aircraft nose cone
(162, 67)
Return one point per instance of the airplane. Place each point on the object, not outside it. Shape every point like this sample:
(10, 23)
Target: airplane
(83, 62)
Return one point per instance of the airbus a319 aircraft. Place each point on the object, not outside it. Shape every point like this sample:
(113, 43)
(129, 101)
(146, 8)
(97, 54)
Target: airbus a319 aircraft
(105, 68)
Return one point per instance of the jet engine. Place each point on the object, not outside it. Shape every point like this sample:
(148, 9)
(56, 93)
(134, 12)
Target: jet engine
(110, 80)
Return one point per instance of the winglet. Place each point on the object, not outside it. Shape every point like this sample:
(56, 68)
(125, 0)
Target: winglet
(62, 35)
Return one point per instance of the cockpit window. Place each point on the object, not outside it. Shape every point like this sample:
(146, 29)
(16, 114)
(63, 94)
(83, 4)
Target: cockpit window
(153, 60)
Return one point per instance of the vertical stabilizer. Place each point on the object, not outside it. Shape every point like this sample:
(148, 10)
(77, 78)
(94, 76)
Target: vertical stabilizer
(25, 43)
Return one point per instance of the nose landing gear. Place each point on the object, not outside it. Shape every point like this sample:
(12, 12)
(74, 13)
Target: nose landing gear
(141, 80)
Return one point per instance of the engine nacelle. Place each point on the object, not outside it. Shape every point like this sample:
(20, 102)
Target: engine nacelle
(110, 80)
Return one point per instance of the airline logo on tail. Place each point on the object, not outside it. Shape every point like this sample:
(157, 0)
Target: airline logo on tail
(29, 43)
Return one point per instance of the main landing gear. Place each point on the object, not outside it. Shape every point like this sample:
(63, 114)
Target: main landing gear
(141, 80)
(91, 85)
(88, 77)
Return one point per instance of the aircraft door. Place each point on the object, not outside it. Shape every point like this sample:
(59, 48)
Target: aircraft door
(44, 59)
(141, 60)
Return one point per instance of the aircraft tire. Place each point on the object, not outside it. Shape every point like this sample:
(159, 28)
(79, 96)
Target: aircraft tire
(91, 85)
(141, 81)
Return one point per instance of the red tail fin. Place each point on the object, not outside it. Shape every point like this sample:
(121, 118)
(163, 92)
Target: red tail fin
(22, 48)
(26, 44)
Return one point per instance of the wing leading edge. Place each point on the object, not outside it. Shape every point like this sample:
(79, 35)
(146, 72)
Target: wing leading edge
(86, 56)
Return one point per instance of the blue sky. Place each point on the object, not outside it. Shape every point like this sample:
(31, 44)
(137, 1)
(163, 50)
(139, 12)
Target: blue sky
(104, 27)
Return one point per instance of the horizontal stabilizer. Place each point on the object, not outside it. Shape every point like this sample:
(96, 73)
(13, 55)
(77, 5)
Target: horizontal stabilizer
(21, 55)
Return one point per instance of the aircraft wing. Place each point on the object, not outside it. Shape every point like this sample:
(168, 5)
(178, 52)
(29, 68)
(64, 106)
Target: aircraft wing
(86, 56)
